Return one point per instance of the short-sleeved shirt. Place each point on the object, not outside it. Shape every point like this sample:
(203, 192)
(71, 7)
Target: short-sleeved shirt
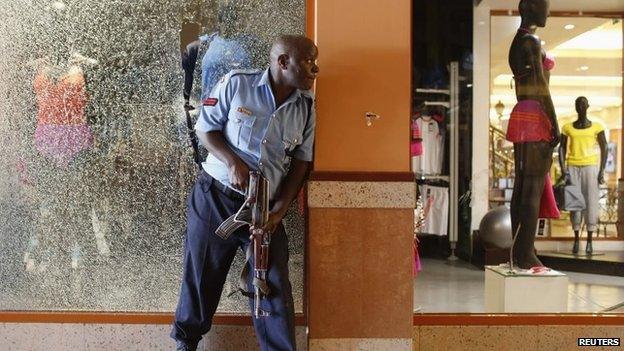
(583, 147)
(242, 106)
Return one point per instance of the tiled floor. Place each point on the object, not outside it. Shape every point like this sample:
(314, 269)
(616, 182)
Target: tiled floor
(118, 337)
(447, 287)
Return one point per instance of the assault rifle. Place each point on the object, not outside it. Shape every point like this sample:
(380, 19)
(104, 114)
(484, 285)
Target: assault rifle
(255, 213)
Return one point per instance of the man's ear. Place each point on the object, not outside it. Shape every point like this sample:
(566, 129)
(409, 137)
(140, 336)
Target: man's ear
(282, 61)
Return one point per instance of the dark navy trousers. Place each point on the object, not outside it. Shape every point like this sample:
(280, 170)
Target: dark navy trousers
(207, 260)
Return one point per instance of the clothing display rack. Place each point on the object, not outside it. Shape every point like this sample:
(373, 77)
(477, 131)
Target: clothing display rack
(452, 106)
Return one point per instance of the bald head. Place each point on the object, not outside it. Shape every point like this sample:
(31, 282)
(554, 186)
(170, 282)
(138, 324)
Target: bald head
(293, 61)
(291, 45)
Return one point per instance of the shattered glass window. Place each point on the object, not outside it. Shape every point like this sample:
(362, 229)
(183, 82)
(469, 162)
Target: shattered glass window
(95, 157)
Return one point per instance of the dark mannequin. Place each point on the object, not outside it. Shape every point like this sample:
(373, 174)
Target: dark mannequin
(583, 122)
(532, 159)
(188, 49)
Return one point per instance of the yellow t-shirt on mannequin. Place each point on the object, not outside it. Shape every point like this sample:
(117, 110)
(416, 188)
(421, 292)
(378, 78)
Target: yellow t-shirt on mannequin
(583, 148)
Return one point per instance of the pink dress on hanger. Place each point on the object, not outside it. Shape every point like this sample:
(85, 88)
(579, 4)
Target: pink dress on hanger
(416, 148)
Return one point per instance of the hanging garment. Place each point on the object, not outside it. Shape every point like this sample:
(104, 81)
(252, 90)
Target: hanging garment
(416, 148)
(548, 205)
(436, 201)
(430, 162)
(62, 130)
(416, 265)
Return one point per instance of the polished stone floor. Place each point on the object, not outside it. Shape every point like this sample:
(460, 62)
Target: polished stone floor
(458, 287)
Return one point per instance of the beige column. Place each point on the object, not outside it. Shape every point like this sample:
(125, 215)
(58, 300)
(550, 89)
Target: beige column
(361, 203)
(360, 278)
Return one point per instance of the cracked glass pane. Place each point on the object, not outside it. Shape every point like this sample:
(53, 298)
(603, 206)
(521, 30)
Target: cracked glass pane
(95, 158)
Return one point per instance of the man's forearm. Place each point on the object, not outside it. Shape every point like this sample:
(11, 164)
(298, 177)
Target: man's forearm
(215, 143)
(291, 186)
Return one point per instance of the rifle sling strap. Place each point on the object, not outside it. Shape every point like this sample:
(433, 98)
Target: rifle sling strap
(244, 277)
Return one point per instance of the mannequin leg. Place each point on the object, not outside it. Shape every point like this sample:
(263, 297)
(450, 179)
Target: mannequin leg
(576, 217)
(532, 163)
(590, 189)
(516, 197)
(524, 249)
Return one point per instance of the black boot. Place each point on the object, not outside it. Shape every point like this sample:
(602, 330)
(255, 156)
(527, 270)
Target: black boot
(589, 249)
(575, 247)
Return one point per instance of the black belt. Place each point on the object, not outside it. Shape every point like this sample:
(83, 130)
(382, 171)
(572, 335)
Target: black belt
(224, 189)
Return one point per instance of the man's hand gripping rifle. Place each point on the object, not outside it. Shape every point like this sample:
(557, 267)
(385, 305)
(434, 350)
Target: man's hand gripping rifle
(255, 213)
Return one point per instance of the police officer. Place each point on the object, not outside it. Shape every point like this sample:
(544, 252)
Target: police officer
(253, 120)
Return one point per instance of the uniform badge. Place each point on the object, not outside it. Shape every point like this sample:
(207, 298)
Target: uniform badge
(210, 101)
(244, 111)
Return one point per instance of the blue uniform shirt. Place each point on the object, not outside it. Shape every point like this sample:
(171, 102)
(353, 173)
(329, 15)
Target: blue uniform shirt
(222, 56)
(242, 106)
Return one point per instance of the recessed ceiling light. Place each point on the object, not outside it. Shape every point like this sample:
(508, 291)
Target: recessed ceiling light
(584, 68)
(569, 26)
(543, 43)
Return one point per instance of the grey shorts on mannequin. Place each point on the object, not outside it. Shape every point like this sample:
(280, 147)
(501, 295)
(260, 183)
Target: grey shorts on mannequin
(586, 178)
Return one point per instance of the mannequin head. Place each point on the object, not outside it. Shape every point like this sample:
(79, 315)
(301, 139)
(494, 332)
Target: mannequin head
(534, 12)
(581, 104)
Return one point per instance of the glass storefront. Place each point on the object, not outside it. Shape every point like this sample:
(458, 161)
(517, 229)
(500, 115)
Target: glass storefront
(588, 56)
(95, 156)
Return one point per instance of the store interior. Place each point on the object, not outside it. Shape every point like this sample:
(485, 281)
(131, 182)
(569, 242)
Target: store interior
(449, 260)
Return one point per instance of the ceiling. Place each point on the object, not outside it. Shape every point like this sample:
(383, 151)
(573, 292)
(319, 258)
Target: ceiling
(563, 5)
(589, 63)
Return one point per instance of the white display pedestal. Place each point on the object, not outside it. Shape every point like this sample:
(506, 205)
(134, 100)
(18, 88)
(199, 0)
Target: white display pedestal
(524, 292)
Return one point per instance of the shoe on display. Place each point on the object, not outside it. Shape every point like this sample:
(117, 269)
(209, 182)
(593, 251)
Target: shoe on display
(589, 248)
(575, 247)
